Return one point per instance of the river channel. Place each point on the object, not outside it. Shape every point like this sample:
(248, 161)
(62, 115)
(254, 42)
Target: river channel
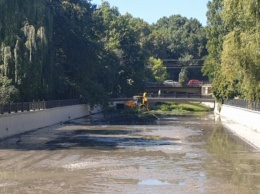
(176, 154)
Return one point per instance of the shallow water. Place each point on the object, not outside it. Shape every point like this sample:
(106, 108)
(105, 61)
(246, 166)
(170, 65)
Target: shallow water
(177, 154)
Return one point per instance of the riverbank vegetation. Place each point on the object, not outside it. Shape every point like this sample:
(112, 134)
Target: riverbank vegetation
(135, 115)
(233, 62)
(60, 49)
(179, 107)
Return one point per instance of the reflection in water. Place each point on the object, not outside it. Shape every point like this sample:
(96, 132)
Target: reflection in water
(233, 162)
(171, 153)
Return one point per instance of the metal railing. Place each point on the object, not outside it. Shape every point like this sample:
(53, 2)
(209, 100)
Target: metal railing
(155, 84)
(36, 105)
(243, 104)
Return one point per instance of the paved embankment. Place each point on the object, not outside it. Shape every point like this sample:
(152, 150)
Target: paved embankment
(243, 122)
(16, 123)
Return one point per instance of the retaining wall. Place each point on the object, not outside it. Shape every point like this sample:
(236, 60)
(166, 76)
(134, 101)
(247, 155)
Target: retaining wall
(12, 124)
(243, 122)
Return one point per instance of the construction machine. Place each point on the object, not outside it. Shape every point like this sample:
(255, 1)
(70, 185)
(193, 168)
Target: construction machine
(141, 101)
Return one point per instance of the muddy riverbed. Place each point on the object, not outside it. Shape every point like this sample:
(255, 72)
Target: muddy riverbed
(176, 154)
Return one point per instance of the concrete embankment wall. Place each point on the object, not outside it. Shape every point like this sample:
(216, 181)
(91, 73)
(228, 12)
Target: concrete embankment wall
(243, 122)
(15, 123)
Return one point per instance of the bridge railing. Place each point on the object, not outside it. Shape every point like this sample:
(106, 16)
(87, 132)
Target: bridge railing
(176, 95)
(155, 84)
(243, 104)
(36, 105)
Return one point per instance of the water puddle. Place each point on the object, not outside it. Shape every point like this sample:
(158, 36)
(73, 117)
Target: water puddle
(153, 182)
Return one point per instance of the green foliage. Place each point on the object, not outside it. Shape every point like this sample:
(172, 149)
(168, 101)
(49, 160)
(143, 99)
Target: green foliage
(172, 106)
(215, 32)
(7, 91)
(233, 60)
(123, 38)
(77, 65)
(58, 49)
(49, 48)
(159, 71)
(186, 60)
(183, 76)
(238, 75)
(181, 36)
(192, 107)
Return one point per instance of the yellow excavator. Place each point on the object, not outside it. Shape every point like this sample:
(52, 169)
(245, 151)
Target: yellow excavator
(141, 101)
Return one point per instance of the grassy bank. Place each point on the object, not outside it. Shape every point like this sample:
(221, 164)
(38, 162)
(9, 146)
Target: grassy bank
(133, 115)
(173, 107)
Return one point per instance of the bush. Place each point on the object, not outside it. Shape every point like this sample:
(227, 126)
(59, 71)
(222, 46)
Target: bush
(171, 106)
(7, 91)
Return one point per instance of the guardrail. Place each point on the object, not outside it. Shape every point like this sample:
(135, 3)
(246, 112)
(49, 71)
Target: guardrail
(36, 105)
(164, 97)
(151, 85)
(176, 95)
(243, 104)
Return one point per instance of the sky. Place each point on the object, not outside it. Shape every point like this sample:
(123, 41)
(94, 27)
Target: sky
(152, 10)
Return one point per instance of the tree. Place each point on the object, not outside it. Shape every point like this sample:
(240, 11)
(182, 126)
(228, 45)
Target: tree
(224, 80)
(159, 71)
(240, 56)
(124, 38)
(186, 60)
(24, 40)
(181, 36)
(215, 32)
(7, 91)
(50, 48)
(57, 49)
(183, 76)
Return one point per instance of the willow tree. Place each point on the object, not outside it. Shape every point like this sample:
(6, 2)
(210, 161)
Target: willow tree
(215, 32)
(49, 49)
(241, 50)
(26, 28)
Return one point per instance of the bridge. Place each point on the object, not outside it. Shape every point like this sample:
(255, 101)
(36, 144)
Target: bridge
(177, 90)
(181, 99)
(173, 90)
(166, 90)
